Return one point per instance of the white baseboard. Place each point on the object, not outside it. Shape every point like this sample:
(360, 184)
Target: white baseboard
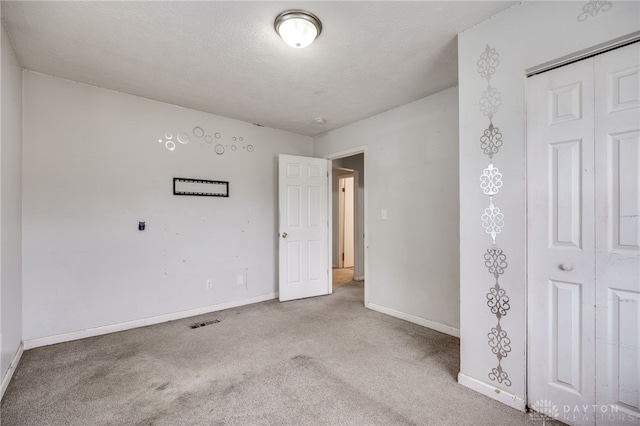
(12, 369)
(359, 278)
(492, 392)
(416, 320)
(98, 331)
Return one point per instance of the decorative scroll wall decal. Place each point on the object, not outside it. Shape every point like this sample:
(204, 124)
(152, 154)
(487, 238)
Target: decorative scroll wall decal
(492, 221)
(488, 63)
(491, 180)
(490, 101)
(495, 261)
(592, 8)
(499, 375)
(498, 301)
(499, 342)
(492, 218)
(491, 140)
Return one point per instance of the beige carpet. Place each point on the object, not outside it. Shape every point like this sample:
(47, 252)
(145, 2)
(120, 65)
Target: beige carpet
(319, 361)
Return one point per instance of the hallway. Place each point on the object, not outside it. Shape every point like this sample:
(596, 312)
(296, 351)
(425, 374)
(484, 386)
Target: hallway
(342, 276)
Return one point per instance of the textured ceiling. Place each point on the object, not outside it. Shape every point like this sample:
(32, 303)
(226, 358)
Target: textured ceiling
(225, 57)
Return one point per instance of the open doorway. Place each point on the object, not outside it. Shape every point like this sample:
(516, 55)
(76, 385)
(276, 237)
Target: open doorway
(344, 253)
(348, 219)
(347, 231)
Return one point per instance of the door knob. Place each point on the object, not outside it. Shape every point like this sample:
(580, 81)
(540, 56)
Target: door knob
(566, 267)
(284, 235)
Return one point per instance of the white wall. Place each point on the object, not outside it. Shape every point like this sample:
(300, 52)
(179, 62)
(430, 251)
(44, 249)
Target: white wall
(94, 167)
(412, 172)
(356, 163)
(527, 35)
(10, 205)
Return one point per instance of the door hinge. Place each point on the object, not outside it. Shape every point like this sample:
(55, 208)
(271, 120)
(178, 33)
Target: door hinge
(343, 190)
(343, 257)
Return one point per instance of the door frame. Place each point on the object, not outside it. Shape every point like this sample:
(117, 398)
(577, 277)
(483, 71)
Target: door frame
(336, 156)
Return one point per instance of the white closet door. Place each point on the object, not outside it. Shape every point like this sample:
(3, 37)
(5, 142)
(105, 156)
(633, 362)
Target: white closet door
(561, 285)
(617, 133)
(583, 153)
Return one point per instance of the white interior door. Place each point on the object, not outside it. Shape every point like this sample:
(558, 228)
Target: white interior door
(561, 285)
(341, 218)
(617, 130)
(304, 227)
(348, 232)
(583, 174)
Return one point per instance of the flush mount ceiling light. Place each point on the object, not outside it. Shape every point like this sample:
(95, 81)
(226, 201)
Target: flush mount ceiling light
(298, 28)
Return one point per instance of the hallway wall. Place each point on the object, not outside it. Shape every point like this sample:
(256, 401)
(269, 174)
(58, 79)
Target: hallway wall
(411, 172)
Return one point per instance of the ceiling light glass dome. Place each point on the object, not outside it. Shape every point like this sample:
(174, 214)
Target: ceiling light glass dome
(298, 28)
